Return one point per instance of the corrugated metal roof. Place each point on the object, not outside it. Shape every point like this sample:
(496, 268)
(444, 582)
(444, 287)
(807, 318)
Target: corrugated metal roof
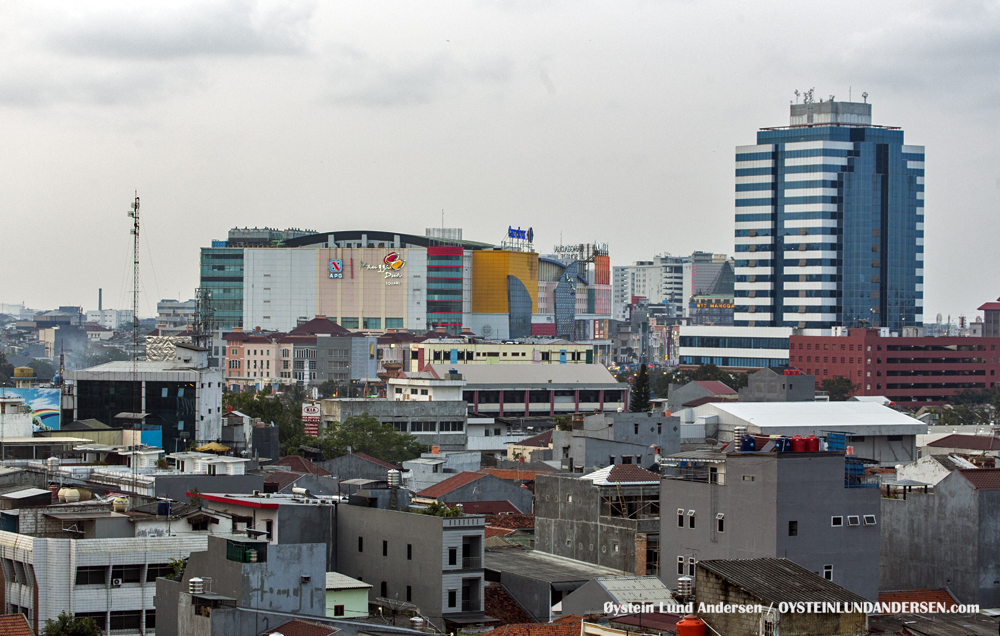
(779, 580)
(813, 415)
(636, 589)
(338, 581)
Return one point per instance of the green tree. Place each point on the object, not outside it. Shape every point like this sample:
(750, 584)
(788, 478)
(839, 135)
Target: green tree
(638, 401)
(6, 370)
(328, 389)
(69, 625)
(563, 422)
(365, 434)
(838, 388)
(439, 509)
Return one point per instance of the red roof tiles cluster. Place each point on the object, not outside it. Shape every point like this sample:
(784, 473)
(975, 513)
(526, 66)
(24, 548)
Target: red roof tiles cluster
(514, 522)
(376, 460)
(982, 478)
(299, 627)
(564, 626)
(967, 442)
(492, 531)
(14, 625)
(499, 605)
(514, 473)
(940, 595)
(542, 440)
(488, 507)
(631, 472)
(716, 387)
(450, 484)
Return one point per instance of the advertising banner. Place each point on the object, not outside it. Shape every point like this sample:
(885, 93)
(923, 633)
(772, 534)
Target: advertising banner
(44, 405)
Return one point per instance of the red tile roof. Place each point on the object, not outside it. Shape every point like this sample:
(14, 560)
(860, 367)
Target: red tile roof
(492, 531)
(967, 442)
(564, 626)
(319, 326)
(514, 522)
(301, 465)
(542, 440)
(716, 387)
(488, 507)
(275, 482)
(298, 627)
(376, 460)
(705, 399)
(940, 595)
(14, 625)
(982, 478)
(450, 484)
(514, 473)
(631, 472)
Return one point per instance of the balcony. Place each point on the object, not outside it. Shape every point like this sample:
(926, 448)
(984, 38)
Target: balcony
(472, 563)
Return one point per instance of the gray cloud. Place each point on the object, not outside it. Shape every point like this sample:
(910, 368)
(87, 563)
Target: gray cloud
(226, 27)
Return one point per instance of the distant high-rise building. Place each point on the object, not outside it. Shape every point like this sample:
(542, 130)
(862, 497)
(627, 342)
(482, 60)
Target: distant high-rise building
(829, 222)
(671, 280)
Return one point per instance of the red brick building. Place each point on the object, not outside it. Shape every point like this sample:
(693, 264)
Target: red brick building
(921, 371)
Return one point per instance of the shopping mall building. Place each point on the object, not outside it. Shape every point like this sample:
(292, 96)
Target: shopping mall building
(375, 281)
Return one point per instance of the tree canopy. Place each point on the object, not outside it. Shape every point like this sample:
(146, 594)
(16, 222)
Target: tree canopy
(638, 399)
(69, 625)
(839, 388)
(359, 434)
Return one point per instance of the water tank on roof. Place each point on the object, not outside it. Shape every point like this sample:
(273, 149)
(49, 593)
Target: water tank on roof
(812, 444)
(690, 625)
(782, 444)
(163, 509)
(394, 478)
(747, 444)
(119, 504)
(798, 444)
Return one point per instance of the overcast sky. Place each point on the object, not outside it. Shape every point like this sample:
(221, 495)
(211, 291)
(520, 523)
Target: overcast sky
(596, 121)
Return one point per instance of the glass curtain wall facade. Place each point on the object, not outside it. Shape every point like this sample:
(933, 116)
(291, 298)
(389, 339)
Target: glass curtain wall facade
(444, 288)
(222, 287)
(829, 223)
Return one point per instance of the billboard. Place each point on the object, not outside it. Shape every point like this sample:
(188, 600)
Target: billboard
(44, 405)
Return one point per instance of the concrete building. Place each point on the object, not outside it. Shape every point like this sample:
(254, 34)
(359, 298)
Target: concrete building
(459, 351)
(779, 385)
(814, 508)
(610, 518)
(283, 520)
(345, 596)
(931, 469)
(875, 432)
(604, 439)
(733, 348)
(945, 538)
(172, 313)
(435, 423)
(910, 371)
(436, 563)
(237, 586)
(185, 393)
(770, 583)
(111, 318)
(526, 389)
(475, 488)
(432, 468)
(357, 466)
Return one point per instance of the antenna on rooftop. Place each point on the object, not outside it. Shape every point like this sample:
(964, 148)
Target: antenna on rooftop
(864, 96)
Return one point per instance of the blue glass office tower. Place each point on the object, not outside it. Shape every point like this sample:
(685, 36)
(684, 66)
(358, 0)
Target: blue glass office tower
(829, 223)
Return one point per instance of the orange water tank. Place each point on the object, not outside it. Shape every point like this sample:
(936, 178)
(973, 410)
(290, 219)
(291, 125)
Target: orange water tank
(812, 444)
(690, 625)
(798, 444)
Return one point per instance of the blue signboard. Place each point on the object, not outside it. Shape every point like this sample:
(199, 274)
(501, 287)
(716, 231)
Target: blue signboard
(524, 235)
(336, 268)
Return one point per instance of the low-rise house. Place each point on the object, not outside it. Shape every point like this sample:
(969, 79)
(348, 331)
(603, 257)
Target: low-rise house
(357, 466)
(771, 584)
(532, 449)
(679, 394)
(985, 445)
(604, 439)
(609, 518)
(478, 488)
(779, 385)
(345, 596)
(435, 563)
(931, 469)
(438, 423)
(433, 468)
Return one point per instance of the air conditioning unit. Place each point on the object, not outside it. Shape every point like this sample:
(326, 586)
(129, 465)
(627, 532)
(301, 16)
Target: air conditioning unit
(116, 582)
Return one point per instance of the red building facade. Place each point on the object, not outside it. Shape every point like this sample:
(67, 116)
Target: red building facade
(922, 371)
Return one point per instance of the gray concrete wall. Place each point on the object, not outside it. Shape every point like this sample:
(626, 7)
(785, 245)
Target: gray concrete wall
(533, 595)
(177, 486)
(311, 525)
(490, 488)
(391, 412)
(761, 493)
(989, 548)
(587, 599)
(422, 572)
(352, 467)
(769, 386)
(568, 524)
(165, 601)
(678, 394)
(933, 540)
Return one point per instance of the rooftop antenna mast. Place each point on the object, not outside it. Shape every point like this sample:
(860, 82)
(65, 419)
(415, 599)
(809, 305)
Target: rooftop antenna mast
(136, 385)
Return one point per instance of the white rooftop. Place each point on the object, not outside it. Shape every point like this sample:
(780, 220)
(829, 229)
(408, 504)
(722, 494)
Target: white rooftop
(804, 418)
(636, 589)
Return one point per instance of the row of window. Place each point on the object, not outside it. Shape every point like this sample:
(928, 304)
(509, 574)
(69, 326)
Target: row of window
(793, 526)
(120, 574)
(451, 426)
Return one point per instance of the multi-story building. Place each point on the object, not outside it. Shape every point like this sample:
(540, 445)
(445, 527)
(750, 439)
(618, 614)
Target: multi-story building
(810, 507)
(733, 348)
(991, 315)
(603, 439)
(915, 371)
(373, 281)
(460, 351)
(440, 422)
(671, 280)
(829, 222)
(173, 313)
(610, 518)
(111, 318)
(435, 563)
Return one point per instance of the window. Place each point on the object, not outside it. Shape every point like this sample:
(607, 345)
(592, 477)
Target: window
(869, 520)
(92, 575)
(373, 323)
(828, 572)
(611, 460)
(636, 428)
(409, 552)
(349, 323)
(455, 427)
(793, 528)
(691, 566)
(452, 597)
(626, 459)
(409, 594)
(127, 573)
(338, 610)
(836, 522)
(129, 620)
(749, 477)
(99, 617)
(853, 520)
(691, 518)
(452, 556)
(423, 391)
(680, 517)
(720, 522)
(361, 544)
(384, 589)
(155, 570)
(680, 566)
(385, 548)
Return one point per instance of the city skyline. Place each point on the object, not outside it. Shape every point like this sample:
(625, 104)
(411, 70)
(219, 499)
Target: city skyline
(332, 118)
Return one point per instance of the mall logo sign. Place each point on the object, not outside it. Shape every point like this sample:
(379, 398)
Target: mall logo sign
(389, 267)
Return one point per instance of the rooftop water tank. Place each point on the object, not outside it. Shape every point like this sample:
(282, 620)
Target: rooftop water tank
(690, 625)
(394, 478)
(196, 586)
(798, 444)
(119, 504)
(812, 444)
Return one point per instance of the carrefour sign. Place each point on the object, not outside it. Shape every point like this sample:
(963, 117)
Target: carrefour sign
(524, 235)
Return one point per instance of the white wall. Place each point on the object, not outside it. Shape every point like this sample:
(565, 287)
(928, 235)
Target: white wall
(279, 287)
